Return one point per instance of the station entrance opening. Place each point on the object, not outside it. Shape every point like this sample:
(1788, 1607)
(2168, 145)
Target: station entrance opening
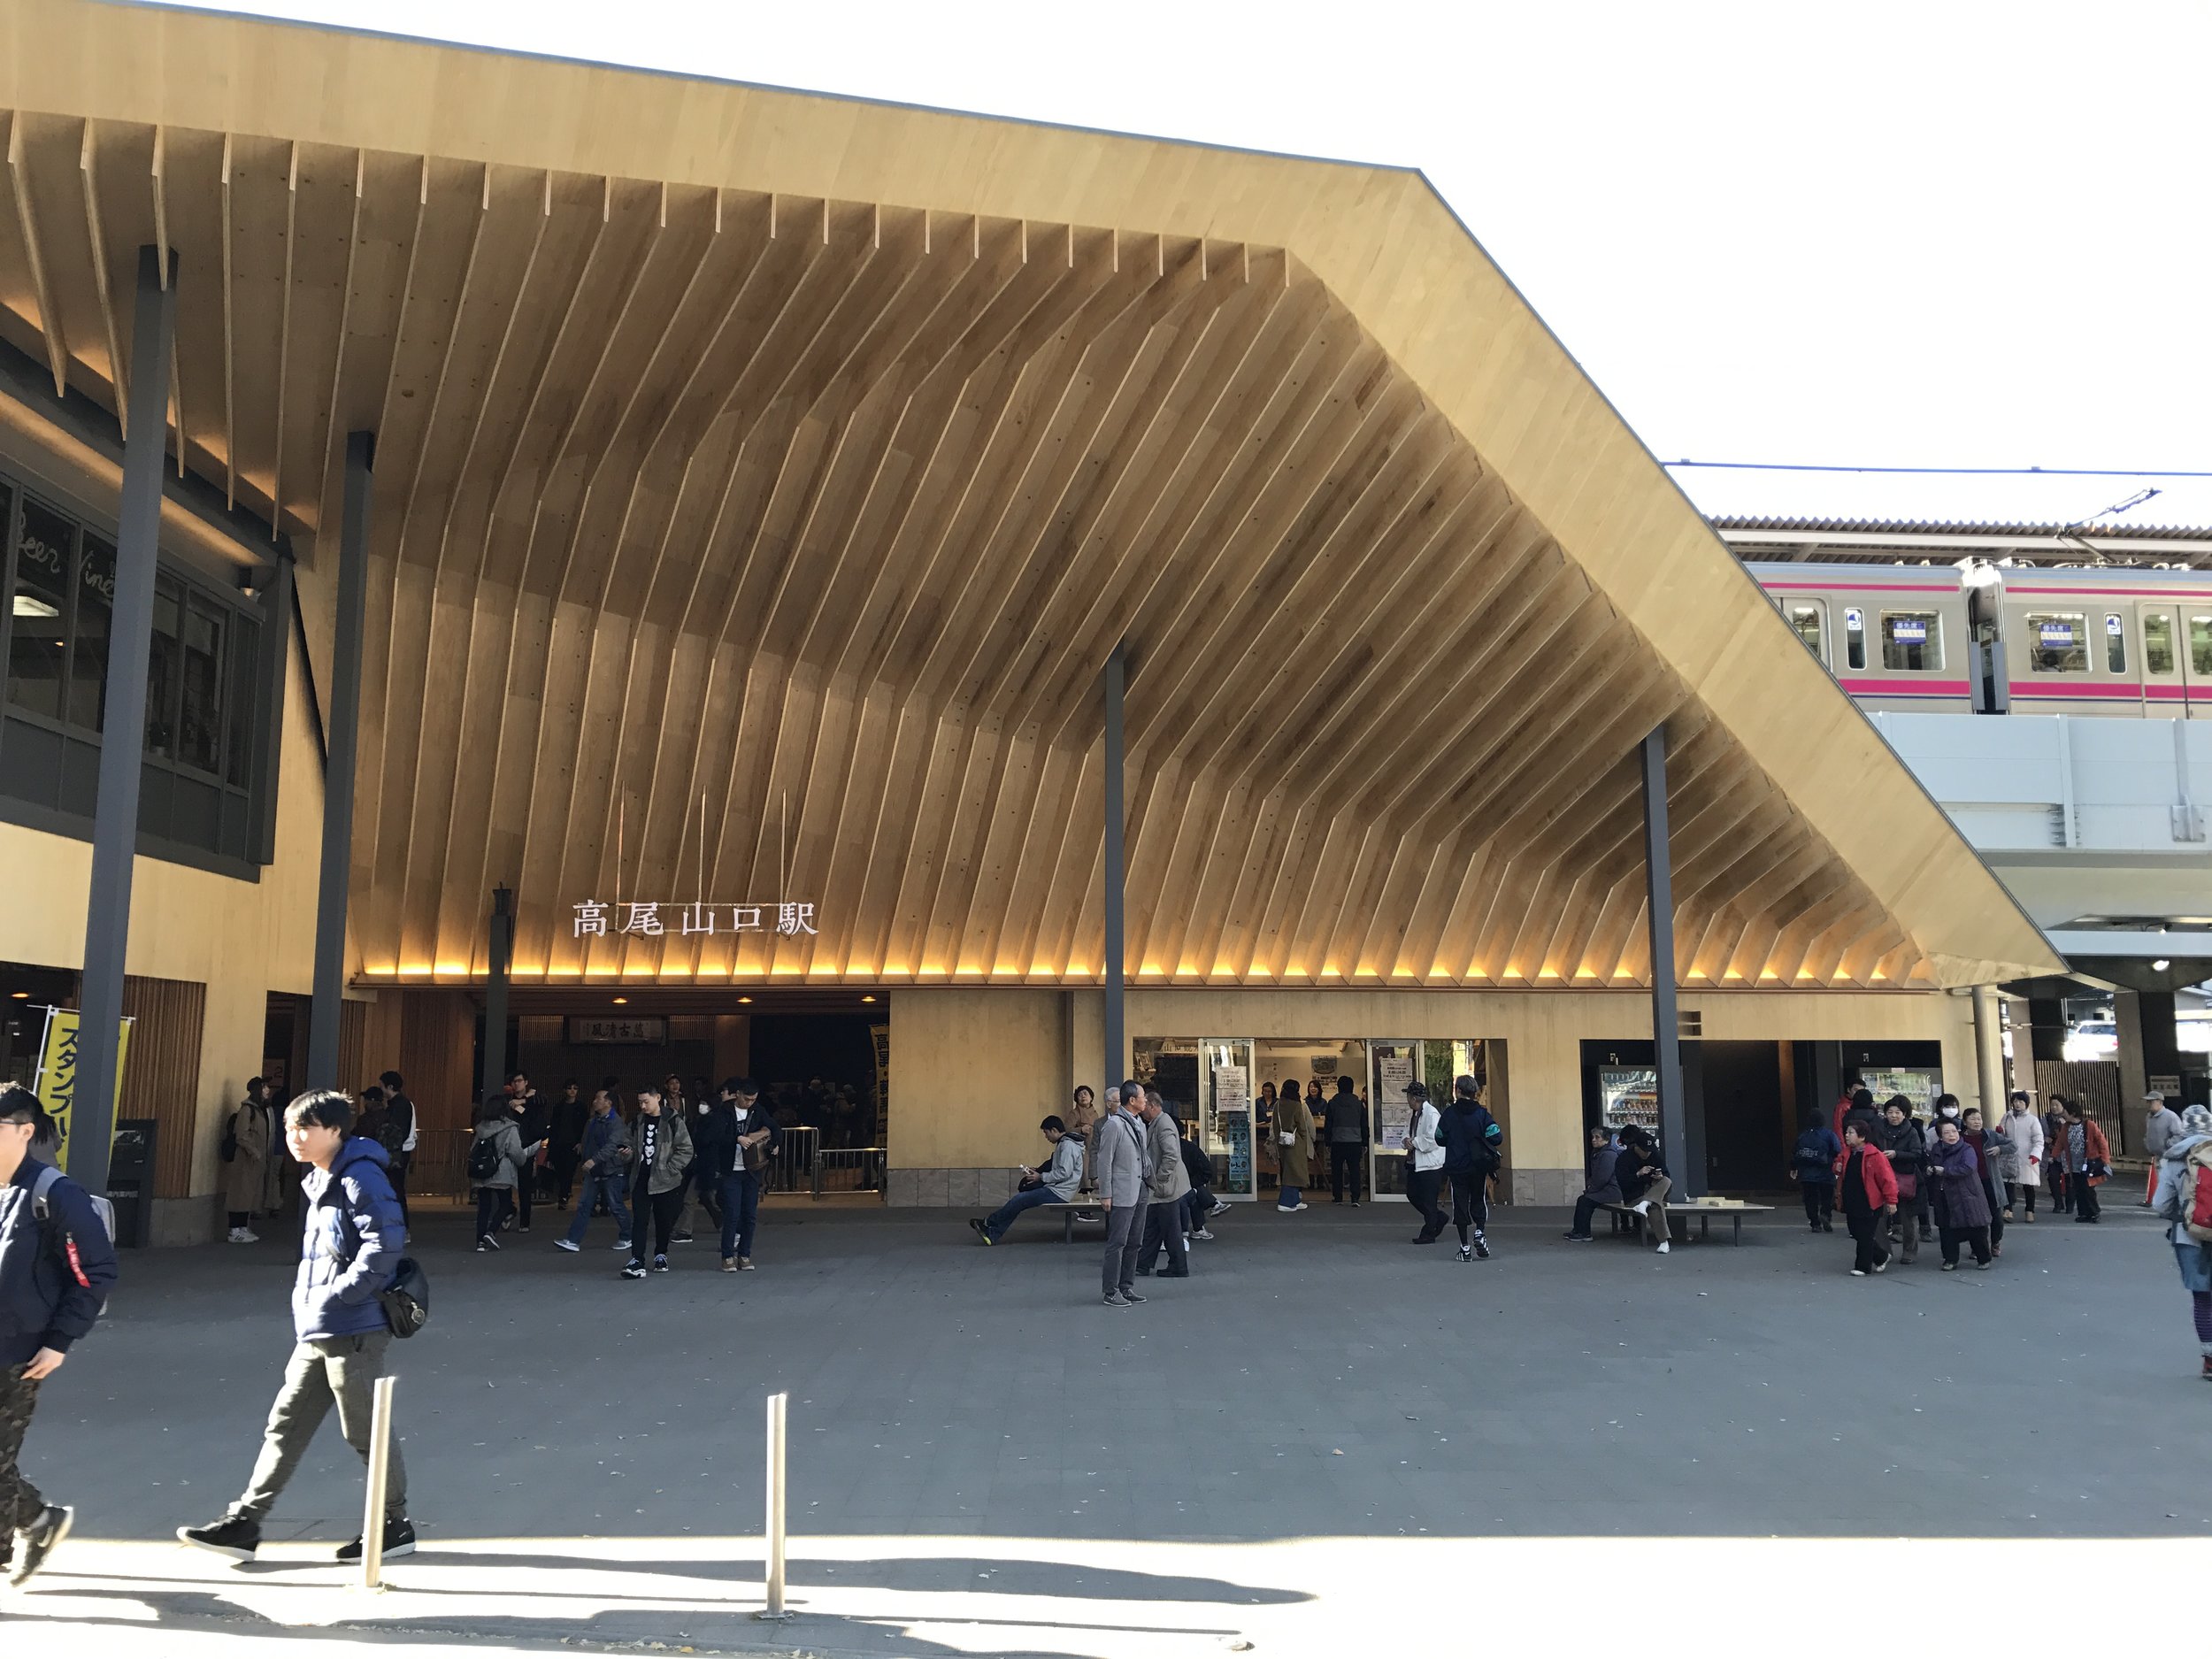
(821, 1057)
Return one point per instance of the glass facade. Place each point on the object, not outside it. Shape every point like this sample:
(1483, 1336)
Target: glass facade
(204, 679)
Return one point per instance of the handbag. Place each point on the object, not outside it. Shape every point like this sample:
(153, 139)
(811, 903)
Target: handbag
(1907, 1185)
(1289, 1137)
(406, 1299)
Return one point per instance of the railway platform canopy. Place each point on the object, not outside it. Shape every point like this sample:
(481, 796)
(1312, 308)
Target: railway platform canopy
(752, 486)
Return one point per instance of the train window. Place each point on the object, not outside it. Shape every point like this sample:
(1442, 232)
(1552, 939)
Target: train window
(1854, 636)
(1911, 640)
(1806, 621)
(2158, 642)
(2115, 645)
(2058, 642)
(2200, 645)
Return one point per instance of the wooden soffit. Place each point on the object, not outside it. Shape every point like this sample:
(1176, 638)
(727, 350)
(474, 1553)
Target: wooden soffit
(763, 477)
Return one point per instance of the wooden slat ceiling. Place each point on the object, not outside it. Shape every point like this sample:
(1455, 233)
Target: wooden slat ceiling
(752, 545)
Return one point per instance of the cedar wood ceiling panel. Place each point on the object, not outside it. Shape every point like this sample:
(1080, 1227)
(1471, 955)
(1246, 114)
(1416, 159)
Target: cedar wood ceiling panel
(745, 542)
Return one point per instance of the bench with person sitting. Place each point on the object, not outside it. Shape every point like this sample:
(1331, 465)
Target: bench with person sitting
(1057, 1183)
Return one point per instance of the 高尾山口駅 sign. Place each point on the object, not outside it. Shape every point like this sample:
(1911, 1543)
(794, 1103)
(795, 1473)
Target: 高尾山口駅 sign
(649, 919)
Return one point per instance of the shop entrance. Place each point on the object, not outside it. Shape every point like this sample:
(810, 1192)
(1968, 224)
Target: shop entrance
(1230, 1086)
(821, 1056)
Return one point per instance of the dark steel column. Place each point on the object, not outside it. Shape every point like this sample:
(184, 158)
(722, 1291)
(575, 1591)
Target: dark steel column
(1115, 1034)
(123, 735)
(1666, 1037)
(276, 656)
(503, 957)
(345, 736)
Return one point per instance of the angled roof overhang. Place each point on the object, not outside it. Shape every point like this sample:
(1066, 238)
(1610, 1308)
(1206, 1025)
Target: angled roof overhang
(763, 477)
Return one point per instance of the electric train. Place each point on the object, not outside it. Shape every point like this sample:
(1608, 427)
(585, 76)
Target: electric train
(2031, 641)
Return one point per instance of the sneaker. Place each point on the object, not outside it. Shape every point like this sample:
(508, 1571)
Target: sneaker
(1858, 1272)
(234, 1238)
(660, 1264)
(2028, 1219)
(1131, 1295)
(507, 1225)
(1482, 1247)
(247, 1235)
(680, 1237)
(1176, 1272)
(744, 1263)
(622, 1244)
(570, 1245)
(1643, 1206)
(1466, 1253)
(522, 1226)
(237, 1536)
(633, 1269)
(1301, 1204)
(982, 1233)
(1950, 1267)
(1204, 1235)
(1356, 1203)
(483, 1245)
(36, 1541)
(1882, 1266)
(399, 1540)
(1827, 1226)
(1663, 1248)
(1985, 1266)
(1221, 1207)
(729, 1263)
(1116, 1301)
(1579, 1238)
(1288, 1209)
(2207, 1372)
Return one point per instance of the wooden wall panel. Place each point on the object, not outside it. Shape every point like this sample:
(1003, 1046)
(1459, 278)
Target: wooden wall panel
(161, 1079)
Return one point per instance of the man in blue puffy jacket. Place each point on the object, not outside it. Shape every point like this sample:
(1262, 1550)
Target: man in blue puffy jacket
(352, 1243)
(57, 1266)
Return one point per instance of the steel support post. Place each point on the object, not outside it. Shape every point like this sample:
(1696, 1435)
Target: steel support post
(1117, 1041)
(123, 733)
(497, 968)
(344, 743)
(1666, 1033)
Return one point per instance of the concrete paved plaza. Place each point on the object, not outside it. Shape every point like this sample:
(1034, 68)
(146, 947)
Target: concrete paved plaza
(983, 1459)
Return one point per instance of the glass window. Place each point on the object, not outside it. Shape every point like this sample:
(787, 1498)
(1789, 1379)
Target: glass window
(2058, 642)
(1806, 621)
(2158, 642)
(200, 715)
(2200, 645)
(89, 650)
(245, 637)
(164, 668)
(1911, 640)
(38, 622)
(1854, 635)
(2115, 645)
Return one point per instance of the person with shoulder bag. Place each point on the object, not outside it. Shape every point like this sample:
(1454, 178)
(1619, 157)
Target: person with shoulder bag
(498, 1163)
(1473, 1141)
(253, 1163)
(352, 1250)
(57, 1266)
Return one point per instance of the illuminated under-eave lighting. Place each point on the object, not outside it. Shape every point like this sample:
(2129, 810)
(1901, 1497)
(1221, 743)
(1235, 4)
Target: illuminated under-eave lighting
(2161, 965)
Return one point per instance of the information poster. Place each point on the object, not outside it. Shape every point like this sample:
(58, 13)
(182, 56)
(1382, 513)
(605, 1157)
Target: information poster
(1392, 1072)
(1232, 1090)
(1237, 1134)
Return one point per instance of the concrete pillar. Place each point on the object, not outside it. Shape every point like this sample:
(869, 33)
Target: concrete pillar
(1666, 1034)
(1989, 1052)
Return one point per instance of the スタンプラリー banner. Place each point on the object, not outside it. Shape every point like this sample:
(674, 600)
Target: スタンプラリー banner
(57, 1083)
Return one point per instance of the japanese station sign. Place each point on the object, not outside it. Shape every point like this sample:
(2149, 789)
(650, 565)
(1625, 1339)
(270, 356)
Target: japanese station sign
(599, 919)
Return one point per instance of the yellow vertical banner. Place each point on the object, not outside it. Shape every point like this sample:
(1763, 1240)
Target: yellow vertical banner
(56, 1084)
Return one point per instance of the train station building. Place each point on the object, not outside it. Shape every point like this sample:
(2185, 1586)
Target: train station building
(628, 574)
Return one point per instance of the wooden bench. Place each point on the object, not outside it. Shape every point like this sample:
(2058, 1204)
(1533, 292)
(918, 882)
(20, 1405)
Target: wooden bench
(1088, 1213)
(1626, 1220)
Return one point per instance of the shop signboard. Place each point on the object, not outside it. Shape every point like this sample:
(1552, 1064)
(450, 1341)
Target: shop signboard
(641, 1029)
(598, 918)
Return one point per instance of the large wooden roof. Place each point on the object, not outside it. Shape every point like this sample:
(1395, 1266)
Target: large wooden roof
(784, 467)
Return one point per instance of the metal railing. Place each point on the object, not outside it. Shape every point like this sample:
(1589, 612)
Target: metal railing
(848, 1169)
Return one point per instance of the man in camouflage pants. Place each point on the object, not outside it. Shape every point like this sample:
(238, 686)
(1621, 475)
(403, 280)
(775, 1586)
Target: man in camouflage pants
(57, 1266)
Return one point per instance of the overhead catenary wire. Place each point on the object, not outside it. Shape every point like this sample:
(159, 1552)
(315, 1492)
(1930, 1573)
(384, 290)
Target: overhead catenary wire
(1948, 472)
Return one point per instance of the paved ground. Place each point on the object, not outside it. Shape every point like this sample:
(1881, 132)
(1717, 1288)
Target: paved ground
(969, 1423)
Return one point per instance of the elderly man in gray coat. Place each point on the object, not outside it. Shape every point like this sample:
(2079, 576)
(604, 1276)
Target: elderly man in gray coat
(1121, 1164)
(1169, 1186)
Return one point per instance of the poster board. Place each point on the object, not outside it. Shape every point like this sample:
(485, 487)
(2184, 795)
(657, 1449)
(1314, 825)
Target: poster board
(1393, 1112)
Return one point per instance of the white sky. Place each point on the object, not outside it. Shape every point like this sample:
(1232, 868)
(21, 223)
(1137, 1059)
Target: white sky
(1933, 234)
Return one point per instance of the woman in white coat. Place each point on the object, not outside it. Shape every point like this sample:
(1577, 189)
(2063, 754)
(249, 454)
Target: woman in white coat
(2020, 1164)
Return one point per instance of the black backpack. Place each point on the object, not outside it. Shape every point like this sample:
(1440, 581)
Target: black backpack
(484, 1160)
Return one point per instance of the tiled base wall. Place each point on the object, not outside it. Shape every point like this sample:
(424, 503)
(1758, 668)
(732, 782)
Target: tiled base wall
(174, 1222)
(968, 1189)
(964, 1189)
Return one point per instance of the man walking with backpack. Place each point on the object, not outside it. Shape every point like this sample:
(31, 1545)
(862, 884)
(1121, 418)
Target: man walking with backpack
(351, 1248)
(57, 1266)
(1472, 1139)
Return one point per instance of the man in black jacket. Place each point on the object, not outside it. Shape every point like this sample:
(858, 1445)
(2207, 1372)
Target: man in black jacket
(1345, 1125)
(57, 1266)
(398, 1140)
(1898, 1137)
(1472, 1139)
(565, 1139)
(757, 1137)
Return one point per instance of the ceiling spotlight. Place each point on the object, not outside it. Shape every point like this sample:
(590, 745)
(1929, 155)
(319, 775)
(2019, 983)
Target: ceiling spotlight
(744, 999)
(619, 1001)
(2161, 965)
(868, 998)
(20, 996)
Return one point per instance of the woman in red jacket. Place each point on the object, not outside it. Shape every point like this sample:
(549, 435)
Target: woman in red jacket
(1867, 1195)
